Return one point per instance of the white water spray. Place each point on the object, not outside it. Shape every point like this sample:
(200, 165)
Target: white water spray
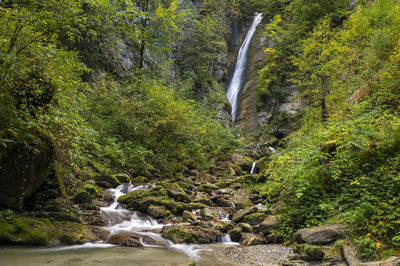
(236, 83)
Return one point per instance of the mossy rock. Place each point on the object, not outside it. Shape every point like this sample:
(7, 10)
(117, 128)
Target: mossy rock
(139, 180)
(175, 207)
(246, 227)
(255, 218)
(73, 233)
(92, 189)
(188, 216)
(107, 181)
(224, 226)
(196, 206)
(81, 196)
(177, 193)
(158, 211)
(207, 187)
(122, 178)
(236, 234)
(178, 235)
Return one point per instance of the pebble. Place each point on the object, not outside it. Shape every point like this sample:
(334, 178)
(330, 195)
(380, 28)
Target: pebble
(260, 255)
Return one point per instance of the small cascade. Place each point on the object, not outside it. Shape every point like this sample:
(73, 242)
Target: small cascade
(253, 168)
(237, 79)
(272, 149)
(223, 215)
(226, 240)
(121, 220)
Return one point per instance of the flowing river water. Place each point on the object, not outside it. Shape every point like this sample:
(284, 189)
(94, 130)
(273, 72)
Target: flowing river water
(120, 220)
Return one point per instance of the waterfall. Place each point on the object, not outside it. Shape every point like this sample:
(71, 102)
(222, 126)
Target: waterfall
(253, 168)
(236, 82)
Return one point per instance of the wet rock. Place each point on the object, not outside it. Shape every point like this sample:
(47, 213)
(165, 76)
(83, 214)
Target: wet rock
(178, 234)
(224, 226)
(238, 217)
(236, 234)
(188, 216)
(246, 227)
(295, 263)
(251, 240)
(158, 211)
(126, 239)
(190, 234)
(255, 218)
(209, 214)
(177, 193)
(268, 224)
(202, 198)
(150, 241)
(321, 235)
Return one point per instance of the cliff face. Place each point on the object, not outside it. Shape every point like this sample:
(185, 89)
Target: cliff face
(252, 114)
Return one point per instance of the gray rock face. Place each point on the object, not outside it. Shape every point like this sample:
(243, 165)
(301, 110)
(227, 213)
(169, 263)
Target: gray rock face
(321, 235)
(126, 239)
(349, 254)
(23, 171)
(268, 224)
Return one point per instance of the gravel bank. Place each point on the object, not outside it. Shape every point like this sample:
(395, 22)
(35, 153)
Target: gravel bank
(259, 255)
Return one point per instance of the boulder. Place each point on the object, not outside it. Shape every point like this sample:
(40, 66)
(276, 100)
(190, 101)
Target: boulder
(177, 193)
(241, 199)
(246, 227)
(254, 218)
(188, 216)
(249, 239)
(190, 234)
(349, 255)
(238, 217)
(243, 161)
(318, 253)
(209, 214)
(207, 187)
(127, 239)
(268, 224)
(202, 198)
(158, 211)
(321, 235)
(224, 226)
(81, 197)
(236, 234)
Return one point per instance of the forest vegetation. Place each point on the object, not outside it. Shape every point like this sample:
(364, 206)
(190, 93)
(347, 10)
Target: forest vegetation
(98, 87)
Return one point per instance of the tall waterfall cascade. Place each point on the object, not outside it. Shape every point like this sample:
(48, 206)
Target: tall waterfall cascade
(237, 79)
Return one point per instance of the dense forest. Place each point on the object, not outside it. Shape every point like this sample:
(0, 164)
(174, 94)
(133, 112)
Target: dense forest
(95, 93)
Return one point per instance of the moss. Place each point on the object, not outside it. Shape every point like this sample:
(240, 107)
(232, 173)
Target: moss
(72, 233)
(178, 235)
(93, 190)
(195, 206)
(174, 207)
(64, 216)
(254, 218)
(140, 179)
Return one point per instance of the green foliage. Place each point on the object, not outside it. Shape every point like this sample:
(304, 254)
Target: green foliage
(345, 169)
